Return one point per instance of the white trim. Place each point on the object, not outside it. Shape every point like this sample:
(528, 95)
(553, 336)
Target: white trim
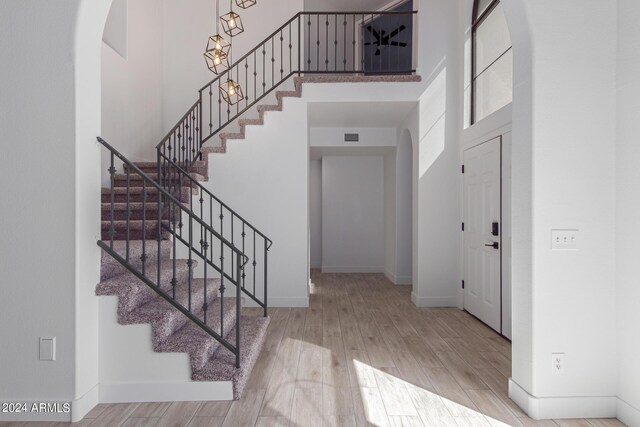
(288, 301)
(352, 269)
(419, 301)
(165, 392)
(81, 406)
(542, 408)
(628, 414)
(398, 280)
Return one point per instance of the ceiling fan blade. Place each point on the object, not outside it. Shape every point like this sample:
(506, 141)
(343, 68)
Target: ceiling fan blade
(397, 31)
(374, 32)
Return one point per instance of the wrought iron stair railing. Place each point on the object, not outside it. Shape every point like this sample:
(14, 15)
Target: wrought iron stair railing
(198, 242)
(352, 43)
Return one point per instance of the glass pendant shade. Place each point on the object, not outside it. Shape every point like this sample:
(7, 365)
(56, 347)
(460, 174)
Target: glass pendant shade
(245, 4)
(231, 92)
(217, 54)
(232, 24)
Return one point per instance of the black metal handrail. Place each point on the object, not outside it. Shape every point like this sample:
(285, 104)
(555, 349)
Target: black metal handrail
(167, 201)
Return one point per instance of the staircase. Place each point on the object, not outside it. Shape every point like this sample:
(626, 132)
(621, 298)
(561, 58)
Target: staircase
(176, 256)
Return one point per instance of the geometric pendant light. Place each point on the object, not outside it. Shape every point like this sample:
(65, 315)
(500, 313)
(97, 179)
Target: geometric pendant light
(231, 22)
(245, 4)
(231, 92)
(216, 54)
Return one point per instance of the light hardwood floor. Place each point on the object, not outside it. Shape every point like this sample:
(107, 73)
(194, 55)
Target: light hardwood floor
(361, 354)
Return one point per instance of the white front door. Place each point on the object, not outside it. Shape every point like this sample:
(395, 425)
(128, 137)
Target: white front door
(482, 232)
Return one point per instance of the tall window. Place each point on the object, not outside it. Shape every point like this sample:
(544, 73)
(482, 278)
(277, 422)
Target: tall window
(491, 60)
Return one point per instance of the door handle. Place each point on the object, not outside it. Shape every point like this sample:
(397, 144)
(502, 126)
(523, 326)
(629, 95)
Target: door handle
(494, 245)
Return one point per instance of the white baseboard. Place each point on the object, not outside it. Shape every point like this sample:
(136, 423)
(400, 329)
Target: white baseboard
(398, 280)
(288, 301)
(543, 408)
(351, 269)
(81, 406)
(628, 414)
(165, 392)
(419, 301)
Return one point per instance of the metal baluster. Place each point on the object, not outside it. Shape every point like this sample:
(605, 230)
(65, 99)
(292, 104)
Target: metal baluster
(159, 232)
(273, 64)
(318, 43)
(238, 312)
(190, 261)
(232, 258)
(290, 51)
(255, 77)
(174, 212)
(254, 261)
(344, 44)
(128, 213)
(264, 70)
(221, 297)
(205, 247)
(266, 249)
(112, 230)
(143, 257)
(326, 54)
(335, 43)
(353, 43)
(246, 83)
(281, 57)
(308, 43)
(219, 110)
(243, 251)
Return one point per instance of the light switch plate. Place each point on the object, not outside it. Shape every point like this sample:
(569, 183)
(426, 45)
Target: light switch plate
(48, 349)
(564, 240)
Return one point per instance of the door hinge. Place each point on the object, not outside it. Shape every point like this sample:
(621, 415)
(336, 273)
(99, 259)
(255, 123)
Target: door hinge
(463, 284)
(463, 226)
(462, 168)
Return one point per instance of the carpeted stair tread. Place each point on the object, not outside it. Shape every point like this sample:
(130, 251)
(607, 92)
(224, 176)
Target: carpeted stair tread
(221, 366)
(194, 340)
(133, 292)
(166, 319)
(149, 212)
(109, 267)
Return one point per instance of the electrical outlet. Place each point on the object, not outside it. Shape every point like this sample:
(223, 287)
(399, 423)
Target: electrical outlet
(558, 361)
(564, 240)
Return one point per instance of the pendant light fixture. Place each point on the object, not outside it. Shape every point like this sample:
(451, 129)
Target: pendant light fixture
(231, 22)
(230, 90)
(245, 4)
(217, 53)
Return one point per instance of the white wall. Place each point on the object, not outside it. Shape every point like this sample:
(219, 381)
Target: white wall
(628, 212)
(315, 213)
(353, 214)
(556, 293)
(435, 132)
(404, 209)
(273, 196)
(390, 217)
(132, 85)
(51, 82)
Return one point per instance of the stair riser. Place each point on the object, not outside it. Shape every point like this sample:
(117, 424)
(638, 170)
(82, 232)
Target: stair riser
(137, 198)
(118, 215)
(110, 267)
(201, 170)
(121, 234)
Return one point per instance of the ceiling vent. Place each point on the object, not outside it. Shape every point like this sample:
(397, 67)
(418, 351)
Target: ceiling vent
(351, 138)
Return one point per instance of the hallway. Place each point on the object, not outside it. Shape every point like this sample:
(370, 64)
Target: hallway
(361, 354)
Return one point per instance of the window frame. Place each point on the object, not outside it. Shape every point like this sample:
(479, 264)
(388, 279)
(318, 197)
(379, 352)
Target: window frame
(476, 21)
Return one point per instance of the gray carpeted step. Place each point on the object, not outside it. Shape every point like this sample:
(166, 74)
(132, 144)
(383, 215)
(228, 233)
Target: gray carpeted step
(221, 366)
